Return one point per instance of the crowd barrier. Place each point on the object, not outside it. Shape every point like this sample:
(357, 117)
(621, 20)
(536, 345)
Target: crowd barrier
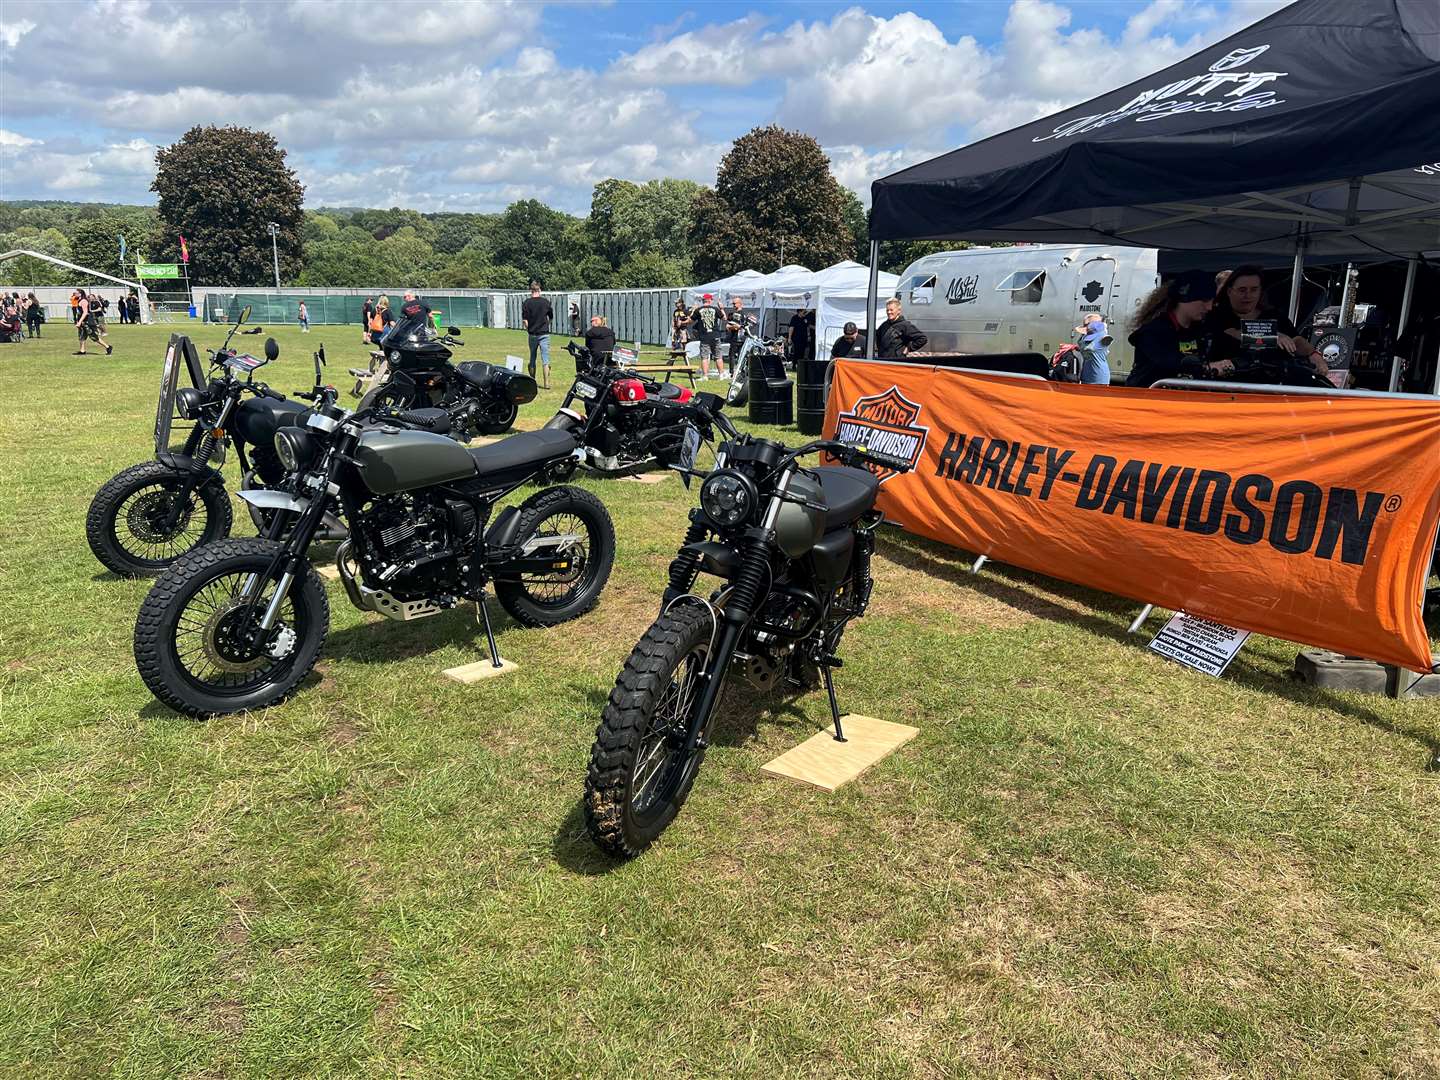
(1305, 517)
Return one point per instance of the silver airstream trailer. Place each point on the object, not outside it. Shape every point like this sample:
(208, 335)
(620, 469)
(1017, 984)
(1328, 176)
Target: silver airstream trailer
(1027, 298)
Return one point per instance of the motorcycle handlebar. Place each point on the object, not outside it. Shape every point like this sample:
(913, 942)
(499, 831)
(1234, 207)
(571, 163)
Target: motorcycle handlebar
(850, 454)
(265, 391)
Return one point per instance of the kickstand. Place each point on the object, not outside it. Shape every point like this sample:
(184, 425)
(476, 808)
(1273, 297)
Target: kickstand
(834, 705)
(489, 633)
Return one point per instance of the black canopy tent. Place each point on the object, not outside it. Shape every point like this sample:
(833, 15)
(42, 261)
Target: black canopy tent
(1315, 132)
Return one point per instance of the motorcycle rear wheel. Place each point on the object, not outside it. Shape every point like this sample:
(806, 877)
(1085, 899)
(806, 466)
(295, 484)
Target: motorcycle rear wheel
(550, 599)
(498, 419)
(639, 776)
(125, 525)
(187, 634)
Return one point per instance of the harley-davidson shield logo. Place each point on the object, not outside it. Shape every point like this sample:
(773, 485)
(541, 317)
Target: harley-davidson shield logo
(886, 424)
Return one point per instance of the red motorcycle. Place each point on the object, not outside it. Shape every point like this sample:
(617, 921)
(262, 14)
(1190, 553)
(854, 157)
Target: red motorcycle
(625, 422)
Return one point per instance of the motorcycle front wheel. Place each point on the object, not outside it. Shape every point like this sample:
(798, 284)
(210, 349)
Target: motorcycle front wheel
(135, 527)
(552, 598)
(639, 774)
(196, 644)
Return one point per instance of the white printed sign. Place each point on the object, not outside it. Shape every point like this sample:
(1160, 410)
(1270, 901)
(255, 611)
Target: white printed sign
(1199, 643)
(515, 363)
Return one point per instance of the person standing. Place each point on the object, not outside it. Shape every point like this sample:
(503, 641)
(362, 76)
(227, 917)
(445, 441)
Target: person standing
(536, 314)
(34, 315)
(799, 336)
(897, 337)
(75, 305)
(600, 339)
(124, 311)
(380, 319)
(574, 319)
(1094, 350)
(135, 308)
(737, 326)
(1168, 324)
(847, 343)
(708, 322)
(367, 309)
(304, 319)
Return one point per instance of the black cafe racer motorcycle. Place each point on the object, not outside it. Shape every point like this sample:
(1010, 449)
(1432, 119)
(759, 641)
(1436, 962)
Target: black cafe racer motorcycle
(148, 515)
(791, 548)
(238, 624)
(411, 369)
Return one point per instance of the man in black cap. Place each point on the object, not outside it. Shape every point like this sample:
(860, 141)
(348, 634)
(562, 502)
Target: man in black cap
(1169, 322)
(848, 343)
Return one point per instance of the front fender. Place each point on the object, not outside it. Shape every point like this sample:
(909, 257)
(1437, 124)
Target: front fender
(266, 499)
(187, 464)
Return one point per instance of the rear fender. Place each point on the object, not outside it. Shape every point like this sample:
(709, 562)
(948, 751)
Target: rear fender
(504, 529)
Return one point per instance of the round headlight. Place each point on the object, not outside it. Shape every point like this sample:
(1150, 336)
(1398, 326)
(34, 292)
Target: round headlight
(728, 498)
(294, 448)
(394, 356)
(188, 402)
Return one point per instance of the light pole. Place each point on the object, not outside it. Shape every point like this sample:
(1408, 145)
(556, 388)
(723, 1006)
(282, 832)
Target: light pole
(275, 252)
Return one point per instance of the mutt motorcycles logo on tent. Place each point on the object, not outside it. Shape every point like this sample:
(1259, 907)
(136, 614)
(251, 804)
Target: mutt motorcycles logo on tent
(1234, 91)
(884, 423)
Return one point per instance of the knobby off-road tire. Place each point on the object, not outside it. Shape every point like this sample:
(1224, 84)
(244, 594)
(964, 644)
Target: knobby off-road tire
(175, 606)
(547, 600)
(630, 795)
(139, 493)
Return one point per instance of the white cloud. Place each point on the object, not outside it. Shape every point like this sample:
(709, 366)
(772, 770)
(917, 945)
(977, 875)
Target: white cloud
(463, 105)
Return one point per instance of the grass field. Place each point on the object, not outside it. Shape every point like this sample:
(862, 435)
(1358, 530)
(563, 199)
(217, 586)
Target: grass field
(1091, 862)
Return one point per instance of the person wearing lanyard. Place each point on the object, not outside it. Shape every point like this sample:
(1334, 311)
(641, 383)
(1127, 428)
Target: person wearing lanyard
(1240, 309)
(1095, 348)
(1170, 318)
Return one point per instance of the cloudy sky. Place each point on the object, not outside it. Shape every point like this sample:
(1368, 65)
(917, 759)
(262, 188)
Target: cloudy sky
(472, 105)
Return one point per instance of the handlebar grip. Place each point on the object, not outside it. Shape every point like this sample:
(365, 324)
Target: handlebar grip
(418, 419)
(885, 461)
(265, 391)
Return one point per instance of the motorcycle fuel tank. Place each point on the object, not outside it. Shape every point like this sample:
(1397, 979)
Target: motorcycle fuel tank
(798, 528)
(392, 459)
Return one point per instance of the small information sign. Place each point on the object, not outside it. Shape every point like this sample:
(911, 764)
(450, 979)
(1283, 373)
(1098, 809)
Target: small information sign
(1199, 643)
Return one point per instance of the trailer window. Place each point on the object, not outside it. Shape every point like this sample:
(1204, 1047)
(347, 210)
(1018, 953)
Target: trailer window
(1024, 286)
(919, 281)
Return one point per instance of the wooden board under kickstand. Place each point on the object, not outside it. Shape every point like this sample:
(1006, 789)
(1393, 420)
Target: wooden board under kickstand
(481, 669)
(822, 762)
(329, 573)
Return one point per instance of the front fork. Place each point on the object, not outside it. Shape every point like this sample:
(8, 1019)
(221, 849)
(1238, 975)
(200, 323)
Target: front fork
(291, 559)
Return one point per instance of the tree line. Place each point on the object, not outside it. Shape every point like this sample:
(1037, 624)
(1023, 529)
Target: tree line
(220, 187)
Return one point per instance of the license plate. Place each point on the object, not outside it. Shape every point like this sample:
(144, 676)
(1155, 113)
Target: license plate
(586, 391)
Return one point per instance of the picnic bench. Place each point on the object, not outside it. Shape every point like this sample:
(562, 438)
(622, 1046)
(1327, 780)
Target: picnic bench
(667, 370)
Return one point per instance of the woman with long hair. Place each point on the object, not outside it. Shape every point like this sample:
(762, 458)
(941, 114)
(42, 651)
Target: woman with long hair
(1169, 318)
(34, 314)
(1241, 308)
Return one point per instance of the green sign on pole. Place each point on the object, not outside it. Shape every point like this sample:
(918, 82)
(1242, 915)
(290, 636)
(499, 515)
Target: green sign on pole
(157, 270)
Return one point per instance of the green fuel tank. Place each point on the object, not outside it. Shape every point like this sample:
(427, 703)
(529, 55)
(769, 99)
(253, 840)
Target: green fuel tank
(391, 459)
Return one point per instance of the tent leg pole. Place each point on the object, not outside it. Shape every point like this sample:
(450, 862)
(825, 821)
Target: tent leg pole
(1297, 275)
(1435, 387)
(1140, 619)
(872, 299)
(1410, 266)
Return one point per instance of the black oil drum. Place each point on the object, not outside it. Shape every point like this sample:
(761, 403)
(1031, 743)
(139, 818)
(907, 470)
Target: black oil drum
(770, 391)
(810, 395)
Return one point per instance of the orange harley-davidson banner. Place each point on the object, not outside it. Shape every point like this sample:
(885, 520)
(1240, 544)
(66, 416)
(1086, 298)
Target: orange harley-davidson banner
(1302, 517)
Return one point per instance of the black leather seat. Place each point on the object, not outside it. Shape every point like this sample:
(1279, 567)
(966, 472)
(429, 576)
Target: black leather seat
(257, 419)
(848, 493)
(523, 450)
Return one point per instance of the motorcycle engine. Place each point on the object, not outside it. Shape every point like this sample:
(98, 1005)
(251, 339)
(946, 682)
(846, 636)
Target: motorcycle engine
(411, 543)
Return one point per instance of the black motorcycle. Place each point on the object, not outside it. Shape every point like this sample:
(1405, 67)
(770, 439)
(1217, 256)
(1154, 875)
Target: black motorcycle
(412, 369)
(238, 624)
(147, 516)
(792, 549)
(1263, 360)
(629, 421)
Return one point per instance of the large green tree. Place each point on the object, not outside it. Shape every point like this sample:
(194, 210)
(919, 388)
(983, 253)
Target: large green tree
(220, 187)
(531, 236)
(774, 194)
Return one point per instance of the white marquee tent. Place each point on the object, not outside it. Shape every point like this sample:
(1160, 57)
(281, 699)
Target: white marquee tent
(837, 294)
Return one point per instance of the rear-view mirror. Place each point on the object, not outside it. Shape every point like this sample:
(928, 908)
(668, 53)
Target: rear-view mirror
(452, 330)
(272, 350)
(244, 315)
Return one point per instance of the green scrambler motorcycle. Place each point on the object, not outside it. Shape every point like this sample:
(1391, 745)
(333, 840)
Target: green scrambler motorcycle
(791, 548)
(238, 624)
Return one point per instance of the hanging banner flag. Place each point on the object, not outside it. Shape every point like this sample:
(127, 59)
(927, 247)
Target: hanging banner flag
(122, 251)
(184, 251)
(156, 270)
(1306, 518)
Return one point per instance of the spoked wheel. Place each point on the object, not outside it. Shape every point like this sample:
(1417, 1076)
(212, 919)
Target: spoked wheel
(639, 774)
(739, 390)
(198, 642)
(139, 522)
(586, 536)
